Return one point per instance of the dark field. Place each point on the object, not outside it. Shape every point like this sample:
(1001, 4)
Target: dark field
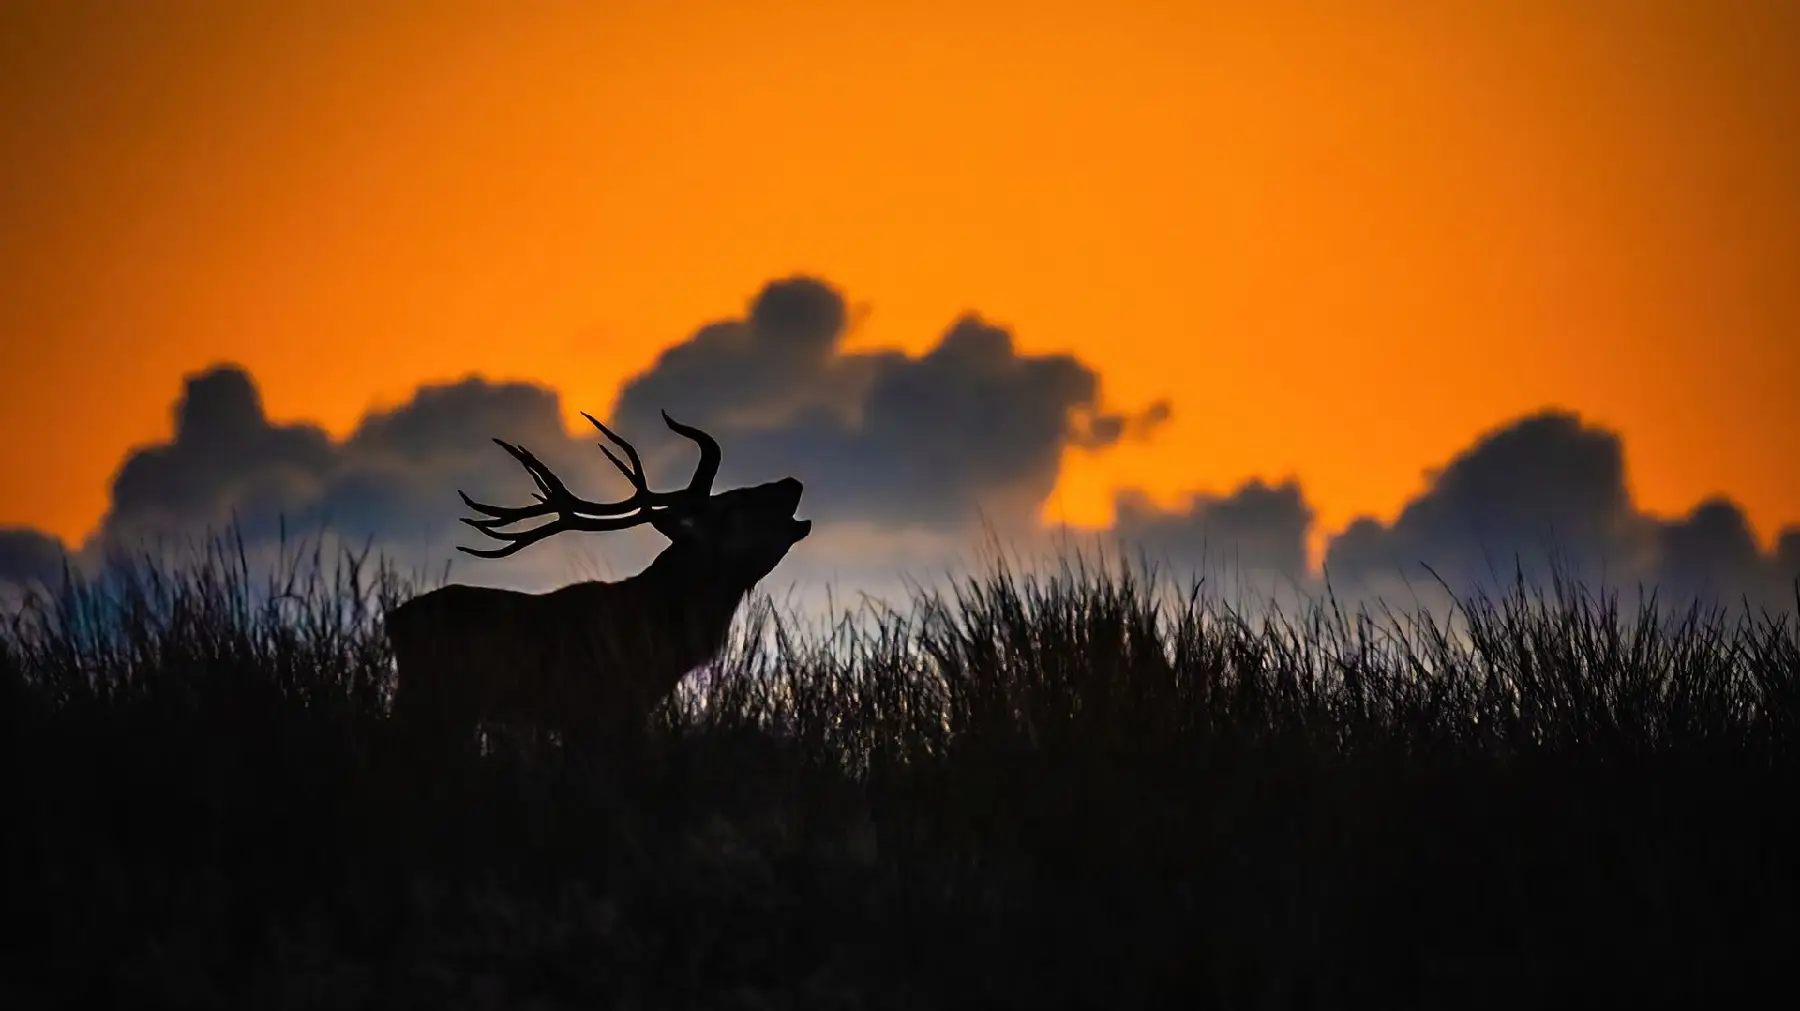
(1070, 791)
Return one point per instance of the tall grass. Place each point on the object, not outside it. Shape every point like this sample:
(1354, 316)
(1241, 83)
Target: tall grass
(1090, 786)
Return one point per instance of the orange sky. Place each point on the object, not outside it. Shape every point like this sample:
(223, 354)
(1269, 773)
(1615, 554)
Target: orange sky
(1344, 238)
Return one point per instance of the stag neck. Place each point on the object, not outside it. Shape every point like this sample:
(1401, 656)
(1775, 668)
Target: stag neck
(677, 592)
(688, 582)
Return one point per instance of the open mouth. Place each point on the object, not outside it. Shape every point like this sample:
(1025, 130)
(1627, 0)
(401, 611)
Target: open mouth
(798, 527)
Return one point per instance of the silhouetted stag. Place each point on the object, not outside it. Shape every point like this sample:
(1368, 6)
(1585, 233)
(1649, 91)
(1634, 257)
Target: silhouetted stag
(592, 659)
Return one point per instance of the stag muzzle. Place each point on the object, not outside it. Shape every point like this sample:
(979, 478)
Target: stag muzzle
(790, 490)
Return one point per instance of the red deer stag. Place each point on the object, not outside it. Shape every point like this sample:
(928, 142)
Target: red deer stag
(592, 659)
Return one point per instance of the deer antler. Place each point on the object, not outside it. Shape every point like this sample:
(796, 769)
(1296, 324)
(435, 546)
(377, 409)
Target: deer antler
(572, 513)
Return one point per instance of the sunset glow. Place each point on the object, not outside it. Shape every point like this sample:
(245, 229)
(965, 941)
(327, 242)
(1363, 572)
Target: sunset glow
(1342, 239)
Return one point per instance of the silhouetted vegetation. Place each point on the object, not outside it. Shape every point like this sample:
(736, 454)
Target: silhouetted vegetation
(1067, 790)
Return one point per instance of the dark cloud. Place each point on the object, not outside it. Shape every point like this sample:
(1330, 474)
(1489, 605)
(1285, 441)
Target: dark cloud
(224, 455)
(1712, 553)
(1787, 554)
(972, 427)
(1710, 549)
(393, 479)
(455, 420)
(1259, 528)
(1784, 591)
(799, 314)
(29, 556)
(1104, 430)
(398, 472)
(1545, 493)
(1545, 490)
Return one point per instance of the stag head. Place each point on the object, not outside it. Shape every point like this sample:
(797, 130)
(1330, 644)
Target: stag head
(745, 530)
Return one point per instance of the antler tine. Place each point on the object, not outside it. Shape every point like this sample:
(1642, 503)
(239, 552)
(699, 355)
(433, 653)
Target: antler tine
(708, 468)
(549, 486)
(519, 539)
(515, 541)
(633, 473)
(550, 489)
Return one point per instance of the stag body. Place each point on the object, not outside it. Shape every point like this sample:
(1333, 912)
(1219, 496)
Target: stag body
(590, 660)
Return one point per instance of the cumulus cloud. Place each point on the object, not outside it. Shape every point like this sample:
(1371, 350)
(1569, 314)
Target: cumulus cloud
(1787, 552)
(1712, 553)
(393, 480)
(1543, 486)
(29, 556)
(1548, 493)
(1259, 528)
(970, 428)
(224, 455)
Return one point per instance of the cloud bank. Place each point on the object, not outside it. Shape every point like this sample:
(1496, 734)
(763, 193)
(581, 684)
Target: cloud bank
(1548, 492)
(907, 459)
